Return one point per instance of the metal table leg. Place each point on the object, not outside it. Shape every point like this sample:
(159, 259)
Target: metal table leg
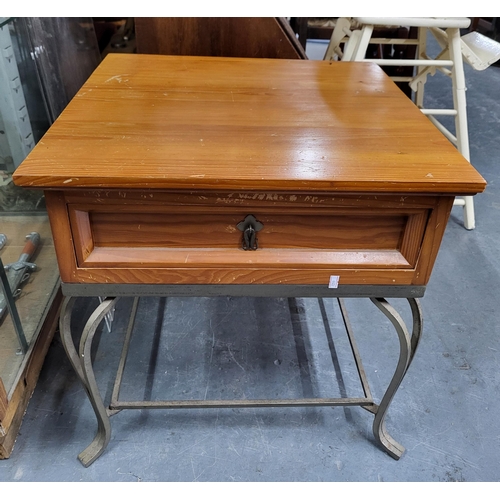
(82, 364)
(407, 348)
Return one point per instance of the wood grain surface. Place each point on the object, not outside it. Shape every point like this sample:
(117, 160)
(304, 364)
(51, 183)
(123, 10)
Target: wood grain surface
(218, 230)
(163, 122)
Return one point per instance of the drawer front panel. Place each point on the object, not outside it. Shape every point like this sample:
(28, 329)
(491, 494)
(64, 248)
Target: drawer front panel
(160, 236)
(219, 230)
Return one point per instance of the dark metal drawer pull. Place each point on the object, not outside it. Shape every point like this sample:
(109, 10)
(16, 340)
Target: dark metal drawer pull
(249, 226)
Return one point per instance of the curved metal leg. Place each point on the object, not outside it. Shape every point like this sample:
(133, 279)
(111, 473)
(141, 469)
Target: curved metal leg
(82, 364)
(66, 338)
(407, 348)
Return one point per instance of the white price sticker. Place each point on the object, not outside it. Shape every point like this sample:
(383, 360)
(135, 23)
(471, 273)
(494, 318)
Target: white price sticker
(334, 282)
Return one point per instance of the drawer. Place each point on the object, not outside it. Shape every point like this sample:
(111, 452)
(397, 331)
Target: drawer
(201, 238)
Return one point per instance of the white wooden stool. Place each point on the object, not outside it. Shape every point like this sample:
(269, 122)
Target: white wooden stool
(477, 50)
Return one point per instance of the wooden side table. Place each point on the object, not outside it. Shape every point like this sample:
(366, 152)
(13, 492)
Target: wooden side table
(224, 176)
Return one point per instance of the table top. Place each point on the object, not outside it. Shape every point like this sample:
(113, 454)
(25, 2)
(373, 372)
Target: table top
(169, 122)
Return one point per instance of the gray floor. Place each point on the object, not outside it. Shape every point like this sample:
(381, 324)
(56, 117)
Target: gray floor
(445, 413)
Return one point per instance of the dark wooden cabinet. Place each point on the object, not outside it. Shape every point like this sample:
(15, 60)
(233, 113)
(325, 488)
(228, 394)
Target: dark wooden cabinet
(267, 37)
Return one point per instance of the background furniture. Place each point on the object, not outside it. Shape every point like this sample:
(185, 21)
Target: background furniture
(43, 63)
(270, 37)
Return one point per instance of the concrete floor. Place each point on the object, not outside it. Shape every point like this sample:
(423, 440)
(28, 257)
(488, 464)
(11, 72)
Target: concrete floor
(445, 413)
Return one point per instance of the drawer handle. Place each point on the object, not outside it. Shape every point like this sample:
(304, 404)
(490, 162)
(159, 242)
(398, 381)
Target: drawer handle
(249, 226)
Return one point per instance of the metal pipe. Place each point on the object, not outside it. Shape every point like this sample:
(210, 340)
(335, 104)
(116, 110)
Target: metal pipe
(239, 403)
(11, 307)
